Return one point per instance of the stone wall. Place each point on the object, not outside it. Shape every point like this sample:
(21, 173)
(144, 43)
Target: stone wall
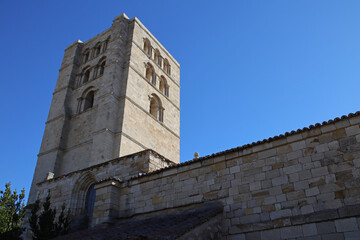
(301, 185)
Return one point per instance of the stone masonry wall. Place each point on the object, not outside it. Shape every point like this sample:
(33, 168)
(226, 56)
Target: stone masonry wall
(304, 185)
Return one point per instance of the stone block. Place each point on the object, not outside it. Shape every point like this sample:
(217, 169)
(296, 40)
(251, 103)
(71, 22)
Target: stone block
(291, 232)
(298, 145)
(273, 234)
(252, 236)
(309, 229)
(236, 237)
(301, 185)
(349, 211)
(352, 130)
(234, 169)
(294, 155)
(325, 227)
(249, 218)
(305, 174)
(346, 225)
(317, 172)
(280, 214)
(324, 215)
(272, 174)
(352, 235)
(255, 186)
(322, 148)
(333, 236)
(312, 191)
(292, 169)
(267, 153)
(279, 180)
(334, 145)
(307, 209)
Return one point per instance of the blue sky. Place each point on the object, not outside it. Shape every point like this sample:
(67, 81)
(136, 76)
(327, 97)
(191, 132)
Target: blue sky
(249, 69)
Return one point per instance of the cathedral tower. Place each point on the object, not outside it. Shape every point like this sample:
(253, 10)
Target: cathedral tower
(116, 94)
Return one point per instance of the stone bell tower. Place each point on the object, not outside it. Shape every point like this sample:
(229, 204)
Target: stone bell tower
(117, 93)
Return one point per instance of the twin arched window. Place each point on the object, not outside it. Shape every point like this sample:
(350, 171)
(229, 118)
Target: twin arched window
(96, 71)
(158, 59)
(99, 48)
(150, 75)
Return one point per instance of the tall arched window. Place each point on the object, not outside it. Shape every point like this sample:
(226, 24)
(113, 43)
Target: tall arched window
(86, 76)
(147, 47)
(156, 108)
(157, 57)
(90, 200)
(101, 66)
(167, 67)
(150, 74)
(86, 55)
(89, 100)
(106, 43)
(164, 88)
(97, 49)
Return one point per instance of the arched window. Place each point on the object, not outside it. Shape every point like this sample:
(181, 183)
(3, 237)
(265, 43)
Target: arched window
(157, 57)
(156, 108)
(106, 43)
(167, 67)
(97, 50)
(86, 76)
(89, 100)
(101, 66)
(86, 55)
(150, 74)
(164, 88)
(90, 200)
(147, 47)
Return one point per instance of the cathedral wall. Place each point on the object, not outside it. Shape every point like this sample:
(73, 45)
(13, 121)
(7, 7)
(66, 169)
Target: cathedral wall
(150, 133)
(302, 185)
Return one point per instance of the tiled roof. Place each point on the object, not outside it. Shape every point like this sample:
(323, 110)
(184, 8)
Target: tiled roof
(281, 136)
(163, 226)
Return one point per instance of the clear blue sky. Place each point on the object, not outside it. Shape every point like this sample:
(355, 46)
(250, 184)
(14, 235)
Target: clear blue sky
(249, 69)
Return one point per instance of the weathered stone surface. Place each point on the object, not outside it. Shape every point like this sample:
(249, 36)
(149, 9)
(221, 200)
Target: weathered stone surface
(346, 225)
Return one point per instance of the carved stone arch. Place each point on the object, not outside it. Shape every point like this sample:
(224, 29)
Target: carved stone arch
(78, 196)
